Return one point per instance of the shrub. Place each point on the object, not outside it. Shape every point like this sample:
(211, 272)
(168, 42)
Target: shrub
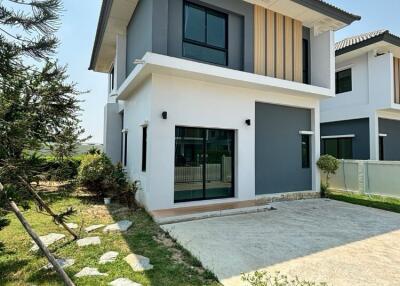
(126, 191)
(328, 165)
(96, 174)
(262, 278)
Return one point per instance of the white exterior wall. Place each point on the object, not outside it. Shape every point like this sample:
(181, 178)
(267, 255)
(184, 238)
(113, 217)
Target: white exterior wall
(136, 115)
(198, 104)
(323, 59)
(372, 95)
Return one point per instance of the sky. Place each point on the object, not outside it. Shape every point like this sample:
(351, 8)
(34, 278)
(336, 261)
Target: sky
(78, 29)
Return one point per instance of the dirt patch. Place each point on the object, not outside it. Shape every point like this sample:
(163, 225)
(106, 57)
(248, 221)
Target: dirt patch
(176, 253)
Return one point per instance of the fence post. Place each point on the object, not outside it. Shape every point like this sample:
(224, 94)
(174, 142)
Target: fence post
(361, 177)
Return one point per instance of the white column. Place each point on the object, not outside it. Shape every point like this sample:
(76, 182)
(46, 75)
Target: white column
(374, 136)
(315, 145)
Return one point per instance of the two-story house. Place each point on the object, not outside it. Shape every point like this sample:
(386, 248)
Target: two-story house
(363, 120)
(216, 101)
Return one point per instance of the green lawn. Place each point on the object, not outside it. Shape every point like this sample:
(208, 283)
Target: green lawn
(172, 264)
(373, 201)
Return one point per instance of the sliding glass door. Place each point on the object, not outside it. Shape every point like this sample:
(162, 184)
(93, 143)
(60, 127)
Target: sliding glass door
(204, 164)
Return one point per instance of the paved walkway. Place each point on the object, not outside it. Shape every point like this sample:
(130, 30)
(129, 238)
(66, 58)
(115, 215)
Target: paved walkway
(318, 240)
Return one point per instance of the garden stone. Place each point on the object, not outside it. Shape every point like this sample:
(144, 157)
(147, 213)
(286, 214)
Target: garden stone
(122, 225)
(72, 225)
(94, 240)
(64, 263)
(123, 282)
(138, 262)
(108, 257)
(89, 271)
(93, 227)
(48, 240)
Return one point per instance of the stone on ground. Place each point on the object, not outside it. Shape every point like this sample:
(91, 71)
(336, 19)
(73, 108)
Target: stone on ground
(138, 262)
(121, 225)
(108, 257)
(48, 240)
(89, 271)
(93, 227)
(123, 282)
(64, 263)
(72, 225)
(94, 240)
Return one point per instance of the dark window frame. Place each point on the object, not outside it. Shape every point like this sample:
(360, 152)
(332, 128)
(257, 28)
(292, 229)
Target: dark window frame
(305, 158)
(339, 89)
(144, 148)
(339, 152)
(205, 44)
(204, 161)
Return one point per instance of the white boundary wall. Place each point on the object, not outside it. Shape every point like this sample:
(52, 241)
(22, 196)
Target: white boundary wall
(369, 177)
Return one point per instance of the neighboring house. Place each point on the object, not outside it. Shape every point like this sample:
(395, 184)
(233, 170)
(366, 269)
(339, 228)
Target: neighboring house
(216, 100)
(363, 120)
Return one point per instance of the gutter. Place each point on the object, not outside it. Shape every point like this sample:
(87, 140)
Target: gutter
(101, 27)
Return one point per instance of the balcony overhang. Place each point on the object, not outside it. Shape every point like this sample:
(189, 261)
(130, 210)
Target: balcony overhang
(160, 64)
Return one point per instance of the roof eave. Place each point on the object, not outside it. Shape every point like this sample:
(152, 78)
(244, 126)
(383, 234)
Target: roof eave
(329, 10)
(385, 37)
(101, 27)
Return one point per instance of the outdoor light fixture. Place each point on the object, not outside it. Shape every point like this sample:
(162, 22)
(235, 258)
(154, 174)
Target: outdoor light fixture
(164, 115)
(248, 122)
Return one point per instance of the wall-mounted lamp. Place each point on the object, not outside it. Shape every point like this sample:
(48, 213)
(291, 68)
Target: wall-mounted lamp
(164, 115)
(248, 122)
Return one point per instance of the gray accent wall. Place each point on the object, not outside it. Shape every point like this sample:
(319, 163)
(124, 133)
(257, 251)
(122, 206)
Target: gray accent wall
(157, 26)
(358, 127)
(391, 143)
(139, 38)
(278, 149)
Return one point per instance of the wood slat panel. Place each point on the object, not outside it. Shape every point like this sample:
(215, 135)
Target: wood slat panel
(396, 63)
(270, 29)
(288, 48)
(298, 51)
(259, 40)
(279, 36)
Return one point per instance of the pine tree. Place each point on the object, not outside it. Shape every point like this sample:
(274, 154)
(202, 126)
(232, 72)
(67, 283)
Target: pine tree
(38, 106)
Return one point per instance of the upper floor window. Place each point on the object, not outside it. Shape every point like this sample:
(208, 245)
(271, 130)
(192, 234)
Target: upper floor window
(112, 79)
(306, 80)
(343, 81)
(205, 34)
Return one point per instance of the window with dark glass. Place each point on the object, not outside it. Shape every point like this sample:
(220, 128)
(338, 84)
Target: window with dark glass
(144, 148)
(112, 79)
(343, 81)
(125, 147)
(305, 151)
(306, 79)
(204, 164)
(205, 34)
(341, 148)
(381, 149)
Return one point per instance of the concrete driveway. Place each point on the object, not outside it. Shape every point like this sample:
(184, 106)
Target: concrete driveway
(318, 240)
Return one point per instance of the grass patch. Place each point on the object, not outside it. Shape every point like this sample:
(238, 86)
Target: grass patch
(373, 201)
(172, 264)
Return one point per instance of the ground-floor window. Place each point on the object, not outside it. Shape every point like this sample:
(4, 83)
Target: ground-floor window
(204, 164)
(305, 151)
(341, 148)
(381, 149)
